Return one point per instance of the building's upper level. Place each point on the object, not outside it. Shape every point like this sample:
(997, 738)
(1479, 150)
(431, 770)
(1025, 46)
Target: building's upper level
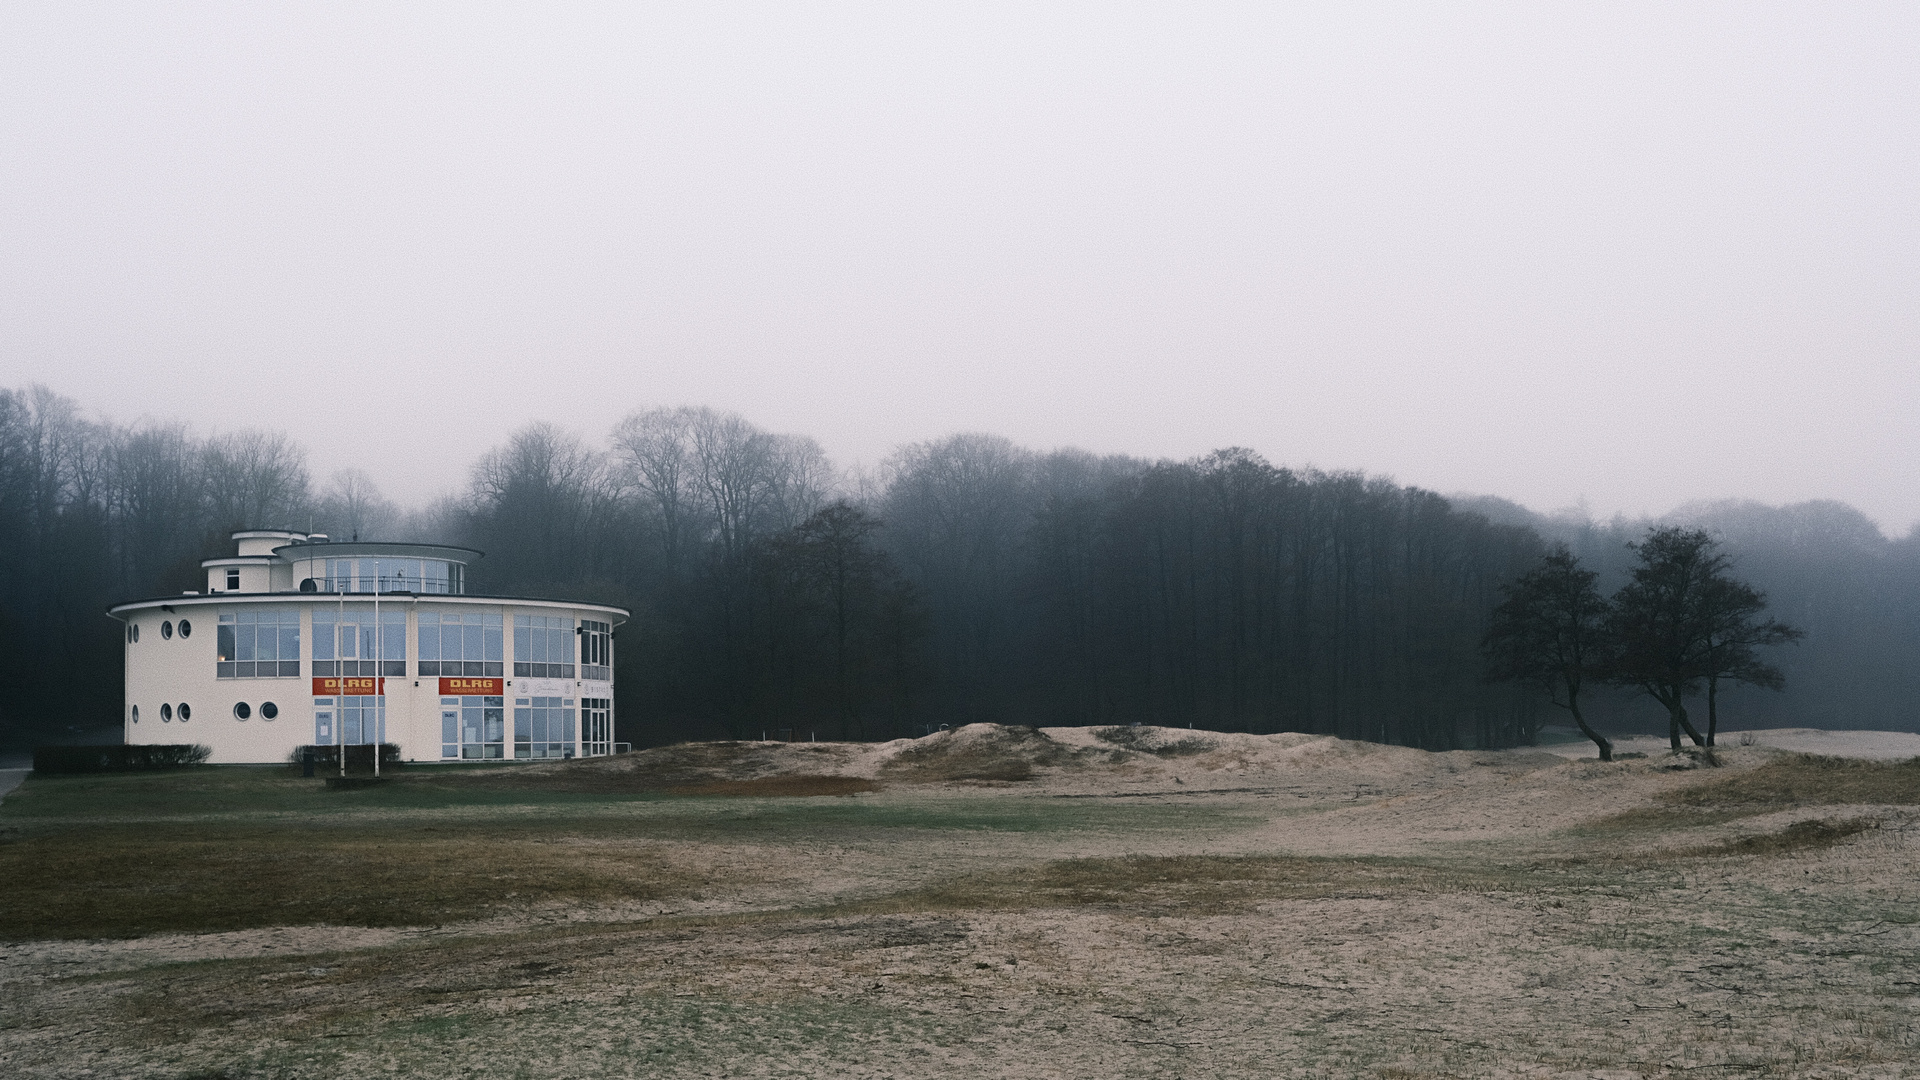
(269, 560)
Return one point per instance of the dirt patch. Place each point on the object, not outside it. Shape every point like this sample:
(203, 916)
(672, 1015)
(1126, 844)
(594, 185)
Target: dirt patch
(781, 786)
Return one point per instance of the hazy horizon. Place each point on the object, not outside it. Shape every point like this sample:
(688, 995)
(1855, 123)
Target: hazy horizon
(1628, 258)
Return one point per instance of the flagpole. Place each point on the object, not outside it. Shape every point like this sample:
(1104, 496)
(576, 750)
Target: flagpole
(379, 662)
(340, 678)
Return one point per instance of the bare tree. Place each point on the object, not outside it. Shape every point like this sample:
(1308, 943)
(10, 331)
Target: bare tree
(655, 448)
(256, 480)
(353, 507)
(799, 480)
(958, 510)
(538, 507)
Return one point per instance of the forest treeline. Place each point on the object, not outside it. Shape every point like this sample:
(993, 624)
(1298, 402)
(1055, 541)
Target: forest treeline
(967, 579)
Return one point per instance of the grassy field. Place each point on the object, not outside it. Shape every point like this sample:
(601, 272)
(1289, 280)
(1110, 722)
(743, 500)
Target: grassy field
(1760, 920)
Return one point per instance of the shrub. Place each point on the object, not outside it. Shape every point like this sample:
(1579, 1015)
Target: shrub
(136, 758)
(359, 757)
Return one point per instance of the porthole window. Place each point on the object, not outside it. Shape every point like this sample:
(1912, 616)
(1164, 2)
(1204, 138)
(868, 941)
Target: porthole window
(186, 711)
(241, 710)
(136, 714)
(129, 633)
(166, 629)
(136, 633)
(186, 628)
(166, 714)
(268, 710)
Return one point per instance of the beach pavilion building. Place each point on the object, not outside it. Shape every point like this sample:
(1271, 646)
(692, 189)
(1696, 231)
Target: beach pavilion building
(300, 640)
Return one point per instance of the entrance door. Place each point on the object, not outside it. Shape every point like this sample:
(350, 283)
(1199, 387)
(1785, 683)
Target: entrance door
(363, 719)
(449, 727)
(323, 726)
(483, 727)
(596, 727)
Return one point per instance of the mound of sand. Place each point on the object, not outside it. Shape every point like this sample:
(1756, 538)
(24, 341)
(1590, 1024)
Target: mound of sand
(1124, 760)
(974, 752)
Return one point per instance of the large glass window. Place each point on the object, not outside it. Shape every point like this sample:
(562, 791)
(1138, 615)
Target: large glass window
(391, 575)
(473, 728)
(352, 720)
(347, 641)
(543, 727)
(258, 643)
(542, 647)
(596, 650)
(461, 643)
(596, 726)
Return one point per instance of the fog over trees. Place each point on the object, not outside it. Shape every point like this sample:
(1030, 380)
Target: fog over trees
(966, 579)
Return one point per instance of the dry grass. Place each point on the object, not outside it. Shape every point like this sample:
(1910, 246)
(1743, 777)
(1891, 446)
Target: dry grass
(1811, 835)
(1809, 780)
(1007, 754)
(994, 931)
(1185, 885)
(1147, 741)
(197, 877)
(781, 786)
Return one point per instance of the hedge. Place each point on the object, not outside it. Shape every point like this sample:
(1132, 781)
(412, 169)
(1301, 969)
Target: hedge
(138, 758)
(359, 756)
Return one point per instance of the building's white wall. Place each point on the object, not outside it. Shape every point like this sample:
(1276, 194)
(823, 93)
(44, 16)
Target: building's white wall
(172, 670)
(254, 577)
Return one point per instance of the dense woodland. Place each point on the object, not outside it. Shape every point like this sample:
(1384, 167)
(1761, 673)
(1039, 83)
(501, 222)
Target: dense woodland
(967, 579)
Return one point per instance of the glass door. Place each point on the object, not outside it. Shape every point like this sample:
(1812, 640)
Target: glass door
(323, 722)
(596, 727)
(483, 727)
(449, 727)
(363, 719)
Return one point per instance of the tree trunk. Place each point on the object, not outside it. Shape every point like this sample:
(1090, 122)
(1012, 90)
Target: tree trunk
(1680, 714)
(1713, 716)
(1599, 740)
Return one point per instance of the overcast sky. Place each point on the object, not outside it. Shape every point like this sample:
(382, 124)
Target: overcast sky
(1636, 254)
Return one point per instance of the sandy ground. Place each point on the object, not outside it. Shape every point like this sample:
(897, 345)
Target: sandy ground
(1872, 745)
(1458, 914)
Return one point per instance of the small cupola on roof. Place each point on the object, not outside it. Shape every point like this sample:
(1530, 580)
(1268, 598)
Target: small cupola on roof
(253, 568)
(271, 560)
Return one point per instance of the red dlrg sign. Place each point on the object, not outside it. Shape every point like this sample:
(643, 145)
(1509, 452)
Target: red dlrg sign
(493, 687)
(332, 686)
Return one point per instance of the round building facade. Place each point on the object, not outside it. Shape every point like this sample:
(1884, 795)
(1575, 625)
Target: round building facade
(301, 641)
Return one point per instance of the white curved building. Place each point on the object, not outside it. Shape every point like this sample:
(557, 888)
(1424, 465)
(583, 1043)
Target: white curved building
(298, 640)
